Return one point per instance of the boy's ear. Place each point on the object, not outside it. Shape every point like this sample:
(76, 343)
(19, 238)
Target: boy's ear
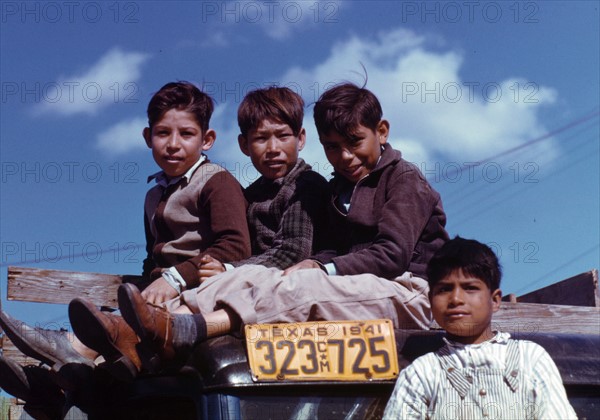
(147, 136)
(209, 139)
(496, 299)
(382, 131)
(243, 143)
(301, 139)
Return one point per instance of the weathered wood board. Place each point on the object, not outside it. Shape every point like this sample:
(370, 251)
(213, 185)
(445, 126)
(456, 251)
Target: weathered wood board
(56, 286)
(579, 290)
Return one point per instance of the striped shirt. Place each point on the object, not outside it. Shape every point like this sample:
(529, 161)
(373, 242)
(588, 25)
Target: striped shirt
(500, 379)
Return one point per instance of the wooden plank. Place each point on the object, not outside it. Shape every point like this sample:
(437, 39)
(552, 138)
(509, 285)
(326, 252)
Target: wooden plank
(12, 409)
(537, 317)
(15, 410)
(579, 290)
(57, 286)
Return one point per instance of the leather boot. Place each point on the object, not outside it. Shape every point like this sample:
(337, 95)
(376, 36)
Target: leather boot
(51, 347)
(109, 335)
(34, 385)
(152, 324)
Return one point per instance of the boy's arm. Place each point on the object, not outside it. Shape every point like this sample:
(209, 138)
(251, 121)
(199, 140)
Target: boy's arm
(409, 207)
(552, 401)
(304, 214)
(223, 197)
(409, 399)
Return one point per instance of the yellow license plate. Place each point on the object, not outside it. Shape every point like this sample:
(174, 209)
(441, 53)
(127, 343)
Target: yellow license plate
(322, 351)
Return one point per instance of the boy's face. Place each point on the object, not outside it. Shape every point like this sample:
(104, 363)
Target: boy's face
(177, 141)
(355, 157)
(463, 306)
(273, 148)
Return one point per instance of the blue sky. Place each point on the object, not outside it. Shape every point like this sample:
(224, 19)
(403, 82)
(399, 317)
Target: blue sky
(497, 102)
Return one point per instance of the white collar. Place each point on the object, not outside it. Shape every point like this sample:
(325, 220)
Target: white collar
(499, 338)
(164, 181)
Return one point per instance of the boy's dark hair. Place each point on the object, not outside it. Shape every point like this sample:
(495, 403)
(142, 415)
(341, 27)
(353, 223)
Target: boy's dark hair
(472, 257)
(344, 107)
(280, 104)
(183, 96)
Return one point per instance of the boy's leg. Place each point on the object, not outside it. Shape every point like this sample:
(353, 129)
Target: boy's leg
(204, 298)
(310, 295)
(164, 334)
(255, 294)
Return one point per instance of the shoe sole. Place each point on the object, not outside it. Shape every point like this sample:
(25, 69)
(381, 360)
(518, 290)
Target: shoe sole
(13, 379)
(9, 326)
(67, 374)
(31, 384)
(91, 331)
(146, 348)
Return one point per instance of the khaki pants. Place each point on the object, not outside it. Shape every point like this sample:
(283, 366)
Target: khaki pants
(263, 295)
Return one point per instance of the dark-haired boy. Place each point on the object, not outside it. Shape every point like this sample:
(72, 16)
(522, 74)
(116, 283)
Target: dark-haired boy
(479, 373)
(287, 203)
(196, 208)
(387, 222)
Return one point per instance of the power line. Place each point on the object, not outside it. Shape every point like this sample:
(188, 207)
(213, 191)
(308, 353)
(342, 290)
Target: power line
(97, 254)
(461, 197)
(528, 143)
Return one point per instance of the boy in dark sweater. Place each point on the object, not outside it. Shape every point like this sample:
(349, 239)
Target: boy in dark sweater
(386, 223)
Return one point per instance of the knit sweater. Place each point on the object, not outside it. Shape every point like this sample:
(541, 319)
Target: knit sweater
(395, 222)
(286, 217)
(202, 215)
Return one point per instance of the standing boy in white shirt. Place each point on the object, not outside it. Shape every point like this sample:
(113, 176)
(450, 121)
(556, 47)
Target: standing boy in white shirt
(478, 373)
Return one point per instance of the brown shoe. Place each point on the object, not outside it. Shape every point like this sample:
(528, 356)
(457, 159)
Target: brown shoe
(109, 335)
(52, 347)
(152, 324)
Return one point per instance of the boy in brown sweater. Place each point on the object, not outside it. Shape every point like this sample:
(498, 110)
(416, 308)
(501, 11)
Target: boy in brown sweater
(195, 209)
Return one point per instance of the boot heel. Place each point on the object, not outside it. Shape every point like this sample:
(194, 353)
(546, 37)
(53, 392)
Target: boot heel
(150, 359)
(122, 368)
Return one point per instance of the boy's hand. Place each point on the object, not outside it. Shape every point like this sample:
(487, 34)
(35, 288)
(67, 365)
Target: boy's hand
(302, 265)
(159, 291)
(209, 266)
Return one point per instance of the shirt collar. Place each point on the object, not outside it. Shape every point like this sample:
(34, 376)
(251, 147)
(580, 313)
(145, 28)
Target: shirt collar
(499, 338)
(164, 181)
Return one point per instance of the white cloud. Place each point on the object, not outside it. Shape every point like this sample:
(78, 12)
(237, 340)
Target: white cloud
(122, 137)
(432, 111)
(110, 80)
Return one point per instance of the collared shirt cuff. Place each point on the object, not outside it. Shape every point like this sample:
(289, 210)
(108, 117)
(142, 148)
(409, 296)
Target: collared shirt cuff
(330, 269)
(228, 266)
(172, 276)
